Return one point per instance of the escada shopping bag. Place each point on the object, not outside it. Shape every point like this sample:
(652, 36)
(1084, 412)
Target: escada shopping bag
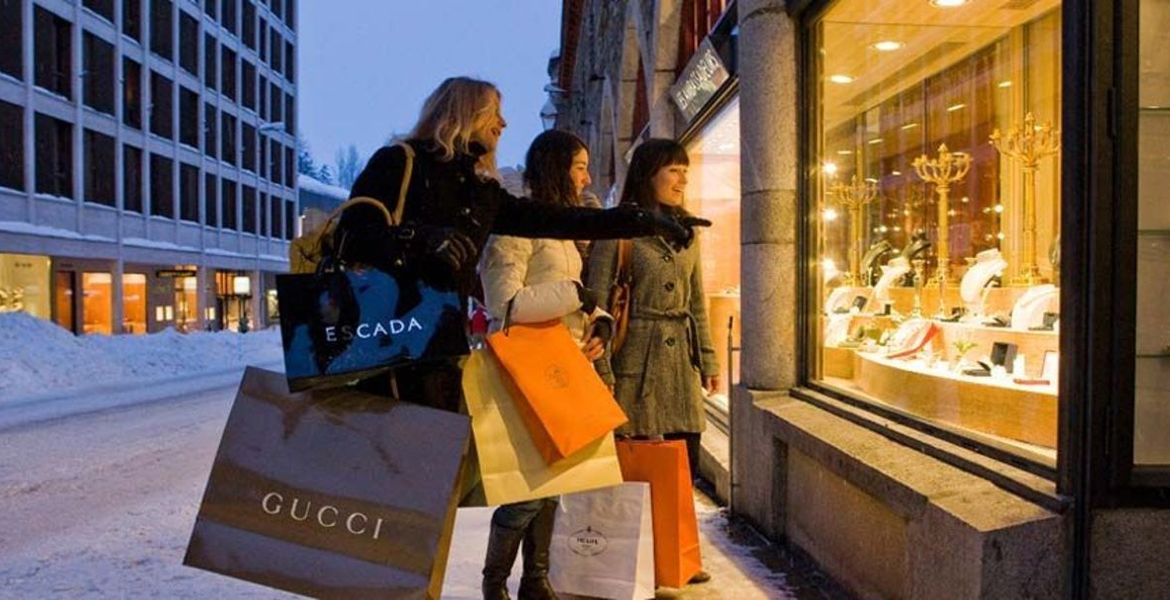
(603, 544)
(564, 403)
(339, 326)
(663, 464)
(510, 466)
(331, 493)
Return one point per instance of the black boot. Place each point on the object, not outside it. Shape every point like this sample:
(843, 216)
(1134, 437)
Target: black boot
(501, 555)
(534, 584)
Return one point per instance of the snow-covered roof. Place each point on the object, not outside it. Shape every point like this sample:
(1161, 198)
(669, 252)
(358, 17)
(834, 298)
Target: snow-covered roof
(312, 185)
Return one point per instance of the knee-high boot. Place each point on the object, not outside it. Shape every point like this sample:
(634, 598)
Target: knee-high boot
(534, 584)
(503, 543)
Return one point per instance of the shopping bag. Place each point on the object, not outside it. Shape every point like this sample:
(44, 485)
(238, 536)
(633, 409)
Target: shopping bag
(663, 464)
(510, 466)
(340, 326)
(603, 544)
(331, 493)
(563, 402)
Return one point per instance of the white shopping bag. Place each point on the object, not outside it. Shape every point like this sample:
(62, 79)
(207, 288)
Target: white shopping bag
(603, 544)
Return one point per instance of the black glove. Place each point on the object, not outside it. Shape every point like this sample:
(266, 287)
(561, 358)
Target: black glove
(602, 328)
(449, 245)
(679, 231)
(587, 297)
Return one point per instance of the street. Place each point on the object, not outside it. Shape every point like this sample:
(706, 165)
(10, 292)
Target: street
(101, 504)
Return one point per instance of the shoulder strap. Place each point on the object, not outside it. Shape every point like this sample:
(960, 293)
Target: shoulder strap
(624, 257)
(396, 217)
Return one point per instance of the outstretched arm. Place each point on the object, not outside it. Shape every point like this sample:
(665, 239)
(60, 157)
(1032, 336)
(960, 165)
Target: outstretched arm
(524, 218)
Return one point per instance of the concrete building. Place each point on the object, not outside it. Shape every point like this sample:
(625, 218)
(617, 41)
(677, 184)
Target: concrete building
(147, 161)
(936, 268)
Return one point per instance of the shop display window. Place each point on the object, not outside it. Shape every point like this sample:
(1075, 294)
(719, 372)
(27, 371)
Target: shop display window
(934, 182)
(24, 285)
(134, 303)
(1152, 376)
(713, 191)
(186, 304)
(97, 303)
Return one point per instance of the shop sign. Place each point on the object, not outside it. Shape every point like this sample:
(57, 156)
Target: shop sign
(704, 75)
(174, 273)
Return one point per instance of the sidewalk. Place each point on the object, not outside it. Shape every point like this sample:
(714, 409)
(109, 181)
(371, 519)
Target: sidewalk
(743, 566)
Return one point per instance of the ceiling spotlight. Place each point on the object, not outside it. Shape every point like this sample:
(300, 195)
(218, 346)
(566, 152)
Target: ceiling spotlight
(947, 3)
(888, 46)
(842, 79)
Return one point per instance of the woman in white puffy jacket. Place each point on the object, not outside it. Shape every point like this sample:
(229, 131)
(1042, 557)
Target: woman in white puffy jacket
(530, 281)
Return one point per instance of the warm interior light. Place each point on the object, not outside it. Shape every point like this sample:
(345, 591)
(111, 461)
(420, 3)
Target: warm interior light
(955, 107)
(947, 3)
(830, 168)
(845, 152)
(888, 46)
(876, 141)
(1005, 84)
(242, 285)
(840, 78)
(896, 173)
(829, 215)
(909, 126)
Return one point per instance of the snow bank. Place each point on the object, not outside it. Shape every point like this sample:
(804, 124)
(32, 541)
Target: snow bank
(37, 357)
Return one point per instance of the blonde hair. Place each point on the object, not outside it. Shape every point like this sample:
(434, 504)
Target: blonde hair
(453, 113)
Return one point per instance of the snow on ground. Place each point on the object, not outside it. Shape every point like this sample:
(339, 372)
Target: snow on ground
(39, 358)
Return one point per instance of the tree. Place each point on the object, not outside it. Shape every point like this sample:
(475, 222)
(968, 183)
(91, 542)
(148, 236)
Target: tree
(324, 175)
(348, 166)
(305, 163)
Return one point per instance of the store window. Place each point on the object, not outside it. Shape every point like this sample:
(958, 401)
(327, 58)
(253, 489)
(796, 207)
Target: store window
(1152, 377)
(97, 304)
(52, 61)
(186, 304)
(134, 303)
(935, 180)
(713, 191)
(65, 300)
(24, 285)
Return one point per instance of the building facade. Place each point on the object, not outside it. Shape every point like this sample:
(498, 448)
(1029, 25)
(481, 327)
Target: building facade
(936, 267)
(147, 161)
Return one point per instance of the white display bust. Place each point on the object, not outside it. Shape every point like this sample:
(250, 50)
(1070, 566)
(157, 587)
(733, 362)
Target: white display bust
(988, 264)
(891, 272)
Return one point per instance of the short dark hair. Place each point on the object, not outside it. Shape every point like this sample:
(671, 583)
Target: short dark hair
(650, 156)
(547, 165)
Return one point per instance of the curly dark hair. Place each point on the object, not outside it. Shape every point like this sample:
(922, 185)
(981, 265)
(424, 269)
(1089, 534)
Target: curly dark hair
(547, 165)
(649, 157)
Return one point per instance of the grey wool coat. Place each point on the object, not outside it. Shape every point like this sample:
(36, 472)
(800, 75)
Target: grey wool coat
(656, 374)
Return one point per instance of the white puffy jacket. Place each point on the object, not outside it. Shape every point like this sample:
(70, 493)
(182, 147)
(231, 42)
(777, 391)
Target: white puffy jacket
(539, 277)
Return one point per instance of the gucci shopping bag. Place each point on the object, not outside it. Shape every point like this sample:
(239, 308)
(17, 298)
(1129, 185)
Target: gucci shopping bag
(510, 466)
(331, 493)
(344, 325)
(562, 400)
(603, 544)
(663, 464)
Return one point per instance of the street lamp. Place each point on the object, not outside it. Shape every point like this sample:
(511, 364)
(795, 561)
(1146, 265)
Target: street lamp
(265, 128)
(242, 288)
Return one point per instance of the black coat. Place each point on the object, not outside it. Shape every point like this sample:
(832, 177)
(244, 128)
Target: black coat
(449, 194)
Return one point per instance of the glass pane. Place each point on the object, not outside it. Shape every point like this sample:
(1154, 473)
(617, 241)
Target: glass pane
(134, 303)
(1152, 379)
(97, 303)
(24, 285)
(713, 190)
(936, 190)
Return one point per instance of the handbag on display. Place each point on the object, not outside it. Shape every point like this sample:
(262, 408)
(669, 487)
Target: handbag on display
(331, 493)
(511, 468)
(603, 544)
(563, 402)
(340, 326)
(664, 465)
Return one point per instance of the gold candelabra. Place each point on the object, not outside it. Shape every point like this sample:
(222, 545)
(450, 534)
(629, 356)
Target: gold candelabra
(855, 196)
(949, 167)
(1028, 144)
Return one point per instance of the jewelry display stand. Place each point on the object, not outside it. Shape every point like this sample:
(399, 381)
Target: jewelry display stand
(988, 265)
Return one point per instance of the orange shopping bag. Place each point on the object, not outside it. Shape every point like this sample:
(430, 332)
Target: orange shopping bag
(676, 528)
(564, 404)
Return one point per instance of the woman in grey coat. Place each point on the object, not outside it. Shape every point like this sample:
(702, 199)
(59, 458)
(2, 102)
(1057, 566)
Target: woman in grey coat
(660, 372)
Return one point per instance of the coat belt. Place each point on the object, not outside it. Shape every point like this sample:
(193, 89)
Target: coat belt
(676, 315)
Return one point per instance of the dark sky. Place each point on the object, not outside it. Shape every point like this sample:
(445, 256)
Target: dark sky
(367, 65)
